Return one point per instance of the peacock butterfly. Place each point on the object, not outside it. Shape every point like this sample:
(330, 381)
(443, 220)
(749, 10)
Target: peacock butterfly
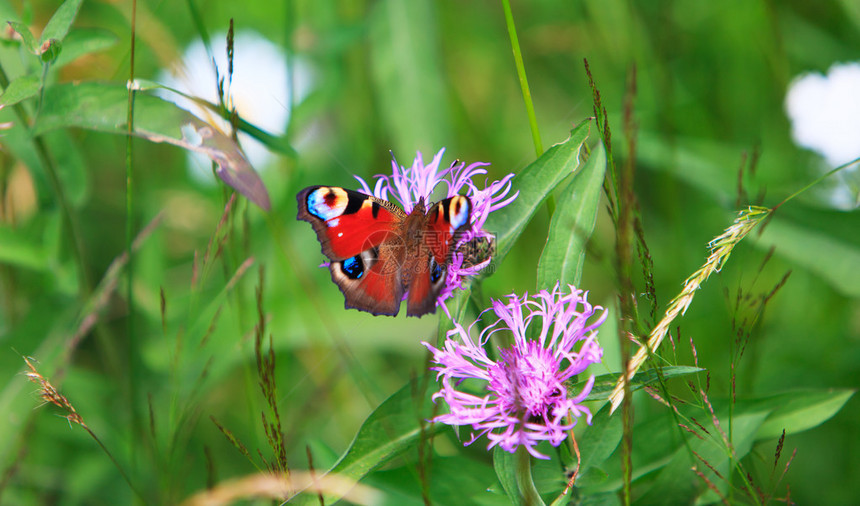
(377, 252)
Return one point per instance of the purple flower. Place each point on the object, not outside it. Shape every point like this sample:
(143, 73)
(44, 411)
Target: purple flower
(409, 185)
(526, 399)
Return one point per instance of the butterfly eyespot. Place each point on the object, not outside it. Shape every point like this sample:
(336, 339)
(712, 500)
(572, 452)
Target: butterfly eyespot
(327, 203)
(353, 267)
(435, 271)
(459, 212)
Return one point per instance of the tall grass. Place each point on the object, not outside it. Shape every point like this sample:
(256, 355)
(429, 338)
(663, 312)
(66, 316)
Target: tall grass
(205, 358)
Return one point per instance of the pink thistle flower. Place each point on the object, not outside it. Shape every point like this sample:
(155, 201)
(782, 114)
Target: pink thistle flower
(408, 185)
(527, 399)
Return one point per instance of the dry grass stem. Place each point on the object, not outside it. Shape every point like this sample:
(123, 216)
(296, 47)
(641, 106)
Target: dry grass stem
(49, 394)
(281, 486)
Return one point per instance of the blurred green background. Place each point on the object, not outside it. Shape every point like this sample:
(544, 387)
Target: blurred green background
(410, 76)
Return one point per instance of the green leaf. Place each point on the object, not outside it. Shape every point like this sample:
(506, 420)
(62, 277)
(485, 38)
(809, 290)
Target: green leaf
(799, 411)
(451, 480)
(397, 425)
(661, 447)
(19, 250)
(506, 470)
(278, 144)
(678, 484)
(808, 247)
(29, 41)
(59, 24)
(83, 42)
(572, 224)
(534, 184)
(605, 499)
(598, 442)
(605, 383)
(22, 88)
(103, 107)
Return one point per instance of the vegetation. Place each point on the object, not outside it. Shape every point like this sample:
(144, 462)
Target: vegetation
(180, 323)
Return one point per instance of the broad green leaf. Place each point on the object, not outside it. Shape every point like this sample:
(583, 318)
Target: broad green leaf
(572, 224)
(808, 247)
(26, 36)
(799, 411)
(658, 444)
(103, 107)
(7, 12)
(456, 305)
(534, 184)
(279, 144)
(405, 66)
(598, 442)
(22, 88)
(504, 464)
(450, 480)
(605, 383)
(83, 42)
(59, 24)
(397, 425)
(678, 484)
(605, 499)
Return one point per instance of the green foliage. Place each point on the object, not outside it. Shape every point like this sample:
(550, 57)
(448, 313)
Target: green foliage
(571, 226)
(227, 351)
(535, 183)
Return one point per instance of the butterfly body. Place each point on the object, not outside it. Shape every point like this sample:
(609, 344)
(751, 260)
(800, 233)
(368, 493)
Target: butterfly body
(378, 253)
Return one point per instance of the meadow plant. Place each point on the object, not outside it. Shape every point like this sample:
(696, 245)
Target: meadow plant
(195, 383)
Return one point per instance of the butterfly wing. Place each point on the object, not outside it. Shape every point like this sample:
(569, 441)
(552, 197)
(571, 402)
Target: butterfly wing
(359, 235)
(444, 223)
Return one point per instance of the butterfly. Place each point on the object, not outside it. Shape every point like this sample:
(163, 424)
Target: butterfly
(377, 252)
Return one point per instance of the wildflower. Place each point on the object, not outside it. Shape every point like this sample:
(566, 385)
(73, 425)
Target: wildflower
(409, 185)
(527, 398)
(825, 117)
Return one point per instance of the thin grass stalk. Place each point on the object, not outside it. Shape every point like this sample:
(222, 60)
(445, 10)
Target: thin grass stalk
(50, 394)
(527, 95)
(283, 487)
(137, 426)
(69, 224)
(521, 72)
(288, 260)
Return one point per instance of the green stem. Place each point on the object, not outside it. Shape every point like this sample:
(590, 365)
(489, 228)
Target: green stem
(524, 86)
(521, 72)
(69, 224)
(525, 482)
(116, 464)
(815, 182)
(137, 426)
